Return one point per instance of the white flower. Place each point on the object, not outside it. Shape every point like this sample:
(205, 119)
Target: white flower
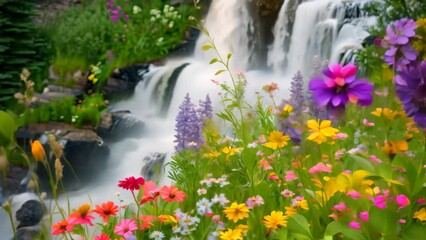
(157, 235)
(201, 191)
(204, 207)
(136, 9)
(221, 199)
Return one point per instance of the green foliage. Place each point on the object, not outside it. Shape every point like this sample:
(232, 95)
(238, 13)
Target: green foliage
(7, 129)
(21, 45)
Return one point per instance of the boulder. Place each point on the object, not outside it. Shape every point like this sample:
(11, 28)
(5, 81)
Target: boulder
(118, 125)
(153, 166)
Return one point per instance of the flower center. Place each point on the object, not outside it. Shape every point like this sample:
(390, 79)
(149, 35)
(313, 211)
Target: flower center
(419, 98)
(172, 195)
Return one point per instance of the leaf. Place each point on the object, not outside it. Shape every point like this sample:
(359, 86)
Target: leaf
(206, 47)
(7, 128)
(298, 224)
(219, 72)
(414, 231)
(336, 227)
(229, 55)
(360, 163)
(213, 60)
(384, 221)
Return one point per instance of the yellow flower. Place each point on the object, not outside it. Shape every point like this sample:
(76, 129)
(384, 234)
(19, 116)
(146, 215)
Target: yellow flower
(212, 154)
(275, 220)
(37, 150)
(301, 204)
(289, 211)
(244, 228)
(393, 147)
(91, 77)
(288, 108)
(230, 151)
(231, 234)
(276, 140)
(421, 214)
(320, 130)
(236, 211)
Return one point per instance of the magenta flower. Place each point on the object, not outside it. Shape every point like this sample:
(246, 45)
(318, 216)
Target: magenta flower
(131, 183)
(380, 201)
(364, 216)
(402, 201)
(354, 194)
(355, 225)
(125, 227)
(340, 87)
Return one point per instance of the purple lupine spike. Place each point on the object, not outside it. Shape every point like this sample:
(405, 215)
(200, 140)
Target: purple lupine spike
(206, 109)
(188, 131)
(297, 98)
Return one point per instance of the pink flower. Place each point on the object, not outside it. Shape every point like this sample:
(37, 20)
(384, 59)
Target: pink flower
(103, 236)
(364, 216)
(273, 176)
(420, 200)
(354, 194)
(290, 176)
(150, 192)
(131, 183)
(254, 201)
(172, 194)
(340, 207)
(367, 123)
(287, 193)
(340, 136)
(402, 201)
(403, 221)
(320, 167)
(355, 225)
(380, 202)
(375, 159)
(125, 227)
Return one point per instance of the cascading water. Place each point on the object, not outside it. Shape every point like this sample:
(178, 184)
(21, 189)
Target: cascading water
(303, 29)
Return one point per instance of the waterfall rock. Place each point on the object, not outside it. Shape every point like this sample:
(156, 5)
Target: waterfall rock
(124, 80)
(29, 214)
(119, 125)
(152, 168)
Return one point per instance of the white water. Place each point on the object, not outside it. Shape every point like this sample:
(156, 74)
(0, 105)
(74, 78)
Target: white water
(315, 32)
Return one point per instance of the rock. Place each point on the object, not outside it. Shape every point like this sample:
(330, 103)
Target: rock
(29, 214)
(123, 82)
(152, 168)
(119, 125)
(54, 92)
(28, 233)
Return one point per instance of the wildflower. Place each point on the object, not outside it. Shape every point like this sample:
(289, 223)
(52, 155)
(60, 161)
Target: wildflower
(367, 123)
(172, 194)
(205, 110)
(166, 219)
(187, 126)
(150, 192)
(391, 148)
(364, 216)
(340, 207)
(320, 130)
(301, 203)
(146, 221)
(402, 201)
(204, 207)
(236, 211)
(136, 9)
(354, 194)
(125, 227)
(340, 87)
(320, 167)
(275, 220)
(81, 215)
(355, 225)
(273, 176)
(201, 191)
(380, 201)
(420, 214)
(290, 176)
(157, 235)
(37, 150)
(61, 227)
(231, 234)
(131, 183)
(254, 201)
(385, 112)
(230, 151)
(289, 211)
(221, 199)
(276, 140)
(287, 193)
(375, 159)
(105, 210)
(297, 93)
(103, 236)
(411, 90)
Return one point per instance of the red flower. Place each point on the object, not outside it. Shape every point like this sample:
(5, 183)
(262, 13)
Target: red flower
(61, 227)
(81, 215)
(172, 194)
(150, 192)
(147, 222)
(106, 209)
(131, 183)
(103, 236)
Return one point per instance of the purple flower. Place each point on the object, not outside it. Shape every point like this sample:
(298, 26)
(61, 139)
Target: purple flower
(188, 132)
(411, 90)
(398, 35)
(339, 87)
(297, 98)
(206, 109)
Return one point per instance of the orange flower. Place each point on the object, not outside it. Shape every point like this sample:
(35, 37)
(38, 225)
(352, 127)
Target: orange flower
(105, 210)
(37, 150)
(81, 215)
(391, 148)
(61, 227)
(147, 222)
(172, 194)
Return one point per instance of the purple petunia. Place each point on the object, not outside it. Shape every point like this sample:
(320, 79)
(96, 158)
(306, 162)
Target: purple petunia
(340, 87)
(399, 53)
(411, 90)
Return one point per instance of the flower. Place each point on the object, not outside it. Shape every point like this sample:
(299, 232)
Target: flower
(297, 97)
(106, 209)
(61, 227)
(231, 234)
(204, 207)
(320, 130)
(402, 201)
(103, 236)
(290, 176)
(340, 87)
(230, 151)
(300, 202)
(287, 193)
(420, 214)
(254, 201)
(150, 192)
(236, 211)
(320, 167)
(275, 220)
(81, 215)
(380, 201)
(157, 235)
(146, 221)
(411, 90)
(276, 140)
(355, 225)
(131, 183)
(37, 150)
(172, 194)
(125, 227)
